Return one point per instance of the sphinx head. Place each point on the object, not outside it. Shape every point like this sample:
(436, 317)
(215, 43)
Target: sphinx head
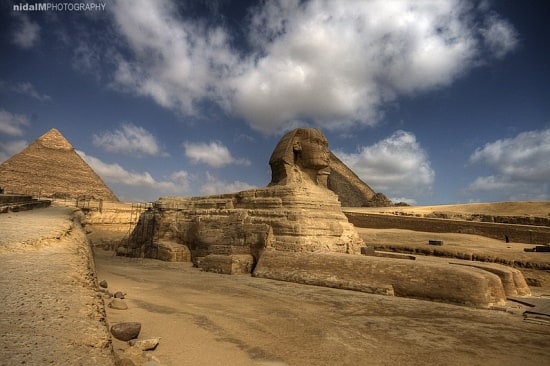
(300, 154)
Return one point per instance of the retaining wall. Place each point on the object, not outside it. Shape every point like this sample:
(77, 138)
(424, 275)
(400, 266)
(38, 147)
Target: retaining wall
(529, 234)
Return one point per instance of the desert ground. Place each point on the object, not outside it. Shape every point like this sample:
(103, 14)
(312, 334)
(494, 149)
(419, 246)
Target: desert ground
(53, 309)
(521, 208)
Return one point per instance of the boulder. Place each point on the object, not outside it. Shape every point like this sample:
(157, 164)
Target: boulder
(126, 331)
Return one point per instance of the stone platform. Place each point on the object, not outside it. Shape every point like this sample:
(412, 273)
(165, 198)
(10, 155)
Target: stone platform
(16, 202)
(477, 285)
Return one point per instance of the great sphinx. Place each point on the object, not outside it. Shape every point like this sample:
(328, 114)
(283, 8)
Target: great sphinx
(227, 233)
(294, 230)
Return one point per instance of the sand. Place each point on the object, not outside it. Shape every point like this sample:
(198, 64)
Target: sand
(52, 312)
(210, 319)
(520, 208)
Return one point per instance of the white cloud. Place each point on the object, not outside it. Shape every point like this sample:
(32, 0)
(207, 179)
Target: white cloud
(520, 166)
(12, 124)
(332, 64)
(500, 36)
(214, 154)
(28, 89)
(177, 63)
(129, 139)
(215, 186)
(26, 33)
(10, 148)
(395, 166)
(177, 182)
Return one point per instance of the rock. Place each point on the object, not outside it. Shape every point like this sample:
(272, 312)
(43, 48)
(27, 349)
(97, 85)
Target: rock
(126, 331)
(145, 344)
(118, 295)
(103, 284)
(118, 304)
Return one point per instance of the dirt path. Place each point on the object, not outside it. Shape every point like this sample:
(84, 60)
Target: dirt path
(51, 312)
(210, 319)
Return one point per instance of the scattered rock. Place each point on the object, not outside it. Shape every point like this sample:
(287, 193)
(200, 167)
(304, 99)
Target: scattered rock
(118, 304)
(145, 344)
(119, 295)
(103, 284)
(126, 331)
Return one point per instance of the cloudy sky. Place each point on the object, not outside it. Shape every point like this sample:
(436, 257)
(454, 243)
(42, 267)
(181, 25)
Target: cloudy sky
(428, 101)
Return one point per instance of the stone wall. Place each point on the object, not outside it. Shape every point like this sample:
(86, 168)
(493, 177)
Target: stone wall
(518, 233)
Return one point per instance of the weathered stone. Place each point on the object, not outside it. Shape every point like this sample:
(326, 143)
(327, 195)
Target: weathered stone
(126, 331)
(118, 304)
(228, 264)
(145, 344)
(118, 295)
(457, 284)
(50, 167)
(512, 279)
(351, 190)
(296, 213)
(103, 284)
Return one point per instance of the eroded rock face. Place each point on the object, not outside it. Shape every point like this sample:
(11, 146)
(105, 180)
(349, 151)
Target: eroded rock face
(296, 213)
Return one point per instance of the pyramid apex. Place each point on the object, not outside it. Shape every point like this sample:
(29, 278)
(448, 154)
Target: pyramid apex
(53, 139)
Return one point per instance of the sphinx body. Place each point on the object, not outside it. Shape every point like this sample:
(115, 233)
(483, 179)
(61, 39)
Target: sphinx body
(227, 233)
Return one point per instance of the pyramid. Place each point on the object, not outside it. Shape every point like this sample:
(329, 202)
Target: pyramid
(50, 167)
(351, 190)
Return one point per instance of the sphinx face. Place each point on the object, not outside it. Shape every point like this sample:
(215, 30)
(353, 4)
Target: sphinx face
(312, 151)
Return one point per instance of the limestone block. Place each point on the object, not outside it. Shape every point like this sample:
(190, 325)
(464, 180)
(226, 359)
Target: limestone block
(227, 264)
(512, 279)
(173, 252)
(405, 278)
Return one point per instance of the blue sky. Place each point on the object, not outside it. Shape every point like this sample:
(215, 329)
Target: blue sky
(429, 102)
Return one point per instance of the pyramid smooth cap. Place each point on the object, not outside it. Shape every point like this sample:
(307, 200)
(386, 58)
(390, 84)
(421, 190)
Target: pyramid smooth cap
(53, 139)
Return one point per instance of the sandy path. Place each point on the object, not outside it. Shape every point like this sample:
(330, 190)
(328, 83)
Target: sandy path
(211, 319)
(51, 312)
